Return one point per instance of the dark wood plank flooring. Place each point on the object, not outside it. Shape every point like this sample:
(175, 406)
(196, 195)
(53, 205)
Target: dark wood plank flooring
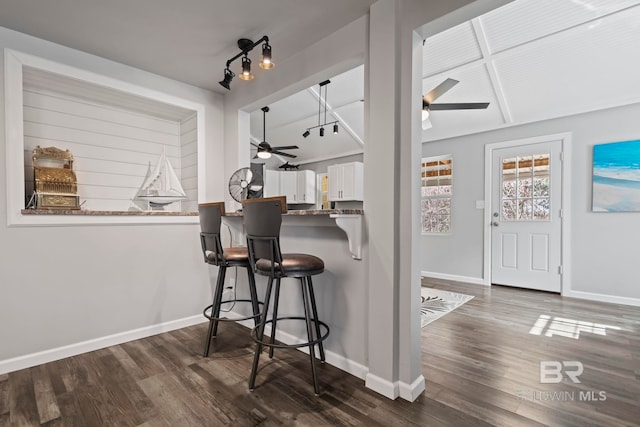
(481, 364)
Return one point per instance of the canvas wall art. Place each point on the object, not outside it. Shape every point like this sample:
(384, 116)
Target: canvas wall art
(616, 177)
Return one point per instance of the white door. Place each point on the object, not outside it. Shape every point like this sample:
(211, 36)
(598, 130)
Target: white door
(526, 216)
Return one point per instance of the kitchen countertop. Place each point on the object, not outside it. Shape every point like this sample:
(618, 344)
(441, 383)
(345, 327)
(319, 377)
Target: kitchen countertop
(297, 212)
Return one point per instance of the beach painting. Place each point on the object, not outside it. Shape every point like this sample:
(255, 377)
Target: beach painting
(616, 177)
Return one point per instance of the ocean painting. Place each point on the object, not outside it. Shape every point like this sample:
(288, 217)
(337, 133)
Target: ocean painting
(616, 177)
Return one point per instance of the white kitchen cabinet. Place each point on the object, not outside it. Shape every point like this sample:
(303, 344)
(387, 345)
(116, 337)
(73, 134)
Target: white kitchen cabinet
(306, 186)
(289, 186)
(299, 187)
(271, 183)
(346, 182)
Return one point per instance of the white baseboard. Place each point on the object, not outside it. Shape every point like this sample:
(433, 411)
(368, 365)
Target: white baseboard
(603, 298)
(30, 360)
(454, 277)
(332, 358)
(411, 391)
(386, 388)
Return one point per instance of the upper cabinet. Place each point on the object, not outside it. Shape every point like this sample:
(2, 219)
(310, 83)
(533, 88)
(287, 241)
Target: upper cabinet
(346, 182)
(298, 186)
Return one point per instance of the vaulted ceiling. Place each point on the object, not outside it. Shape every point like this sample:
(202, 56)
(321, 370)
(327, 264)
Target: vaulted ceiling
(531, 60)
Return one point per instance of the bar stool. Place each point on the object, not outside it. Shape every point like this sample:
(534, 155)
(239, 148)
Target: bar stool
(262, 221)
(210, 220)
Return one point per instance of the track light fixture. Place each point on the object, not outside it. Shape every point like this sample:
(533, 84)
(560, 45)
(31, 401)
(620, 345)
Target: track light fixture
(322, 99)
(228, 76)
(246, 46)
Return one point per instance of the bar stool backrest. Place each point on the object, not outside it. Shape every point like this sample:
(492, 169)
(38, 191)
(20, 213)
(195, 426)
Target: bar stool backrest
(262, 222)
(210, 220)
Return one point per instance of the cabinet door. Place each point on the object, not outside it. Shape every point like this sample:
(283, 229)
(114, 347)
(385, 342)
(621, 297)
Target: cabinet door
(271, 183)
(306, 186)
(335, 178)
(352, 181)
(289, 186)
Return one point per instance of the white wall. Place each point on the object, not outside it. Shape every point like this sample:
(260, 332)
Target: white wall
(67, 285)
(602, 246)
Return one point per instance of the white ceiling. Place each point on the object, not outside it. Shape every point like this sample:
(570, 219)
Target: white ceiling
(531, 59)
(186, 40)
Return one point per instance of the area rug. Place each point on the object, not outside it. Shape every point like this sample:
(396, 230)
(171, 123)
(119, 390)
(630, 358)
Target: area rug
(436, 303)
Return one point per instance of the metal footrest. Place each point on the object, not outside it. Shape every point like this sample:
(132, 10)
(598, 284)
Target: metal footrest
(225, 319)
(304, 344)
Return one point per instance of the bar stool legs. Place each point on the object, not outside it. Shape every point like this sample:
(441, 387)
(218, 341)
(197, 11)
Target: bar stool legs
(314, 335)
(214, 318)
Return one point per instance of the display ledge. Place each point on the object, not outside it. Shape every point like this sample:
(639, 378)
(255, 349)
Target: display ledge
(103, 213)
(70, 217)
(348, 220)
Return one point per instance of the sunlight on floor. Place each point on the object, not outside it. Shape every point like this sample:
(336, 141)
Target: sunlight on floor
(567, 327)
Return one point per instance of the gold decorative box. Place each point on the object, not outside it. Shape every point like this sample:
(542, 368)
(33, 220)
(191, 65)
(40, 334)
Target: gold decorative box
(55, 182)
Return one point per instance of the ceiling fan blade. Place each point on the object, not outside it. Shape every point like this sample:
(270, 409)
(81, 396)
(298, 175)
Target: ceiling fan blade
(285, 147)
(280, 153)
(255, 145)
(439, 90)
(459, 106)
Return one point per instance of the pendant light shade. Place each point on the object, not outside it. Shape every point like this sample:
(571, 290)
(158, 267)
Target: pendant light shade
(266, 62)
(246, 69)
(228, 76)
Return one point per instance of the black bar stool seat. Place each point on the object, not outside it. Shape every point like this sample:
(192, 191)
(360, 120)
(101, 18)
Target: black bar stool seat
(262, 221)
(210, 221)
(294, 265)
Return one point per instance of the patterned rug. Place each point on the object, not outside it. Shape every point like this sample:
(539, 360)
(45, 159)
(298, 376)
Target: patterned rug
(436, 303)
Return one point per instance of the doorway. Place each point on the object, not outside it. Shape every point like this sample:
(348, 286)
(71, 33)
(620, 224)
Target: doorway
(524, 213)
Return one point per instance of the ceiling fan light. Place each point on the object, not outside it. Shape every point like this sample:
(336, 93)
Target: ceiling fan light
(264, 154)
(306, 133)
(266, 62)
(246, 69)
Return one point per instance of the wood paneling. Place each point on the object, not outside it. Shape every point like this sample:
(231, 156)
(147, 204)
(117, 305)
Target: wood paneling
(112, 146)
(478, 361)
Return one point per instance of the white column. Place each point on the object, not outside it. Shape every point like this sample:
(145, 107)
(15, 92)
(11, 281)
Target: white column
(392, 162)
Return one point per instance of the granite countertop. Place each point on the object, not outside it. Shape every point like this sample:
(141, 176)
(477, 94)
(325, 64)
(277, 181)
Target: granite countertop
(301, 212)
(103, 213)
(313, 212)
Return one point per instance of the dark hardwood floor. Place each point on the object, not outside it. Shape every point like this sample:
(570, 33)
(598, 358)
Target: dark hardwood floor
(481, 363)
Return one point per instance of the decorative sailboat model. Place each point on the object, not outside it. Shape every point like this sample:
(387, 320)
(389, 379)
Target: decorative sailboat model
(161, 186)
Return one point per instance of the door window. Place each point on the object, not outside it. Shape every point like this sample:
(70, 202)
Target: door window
(525, 194)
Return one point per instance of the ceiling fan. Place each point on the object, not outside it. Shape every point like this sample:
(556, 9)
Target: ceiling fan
(265, 150)
(438, 91)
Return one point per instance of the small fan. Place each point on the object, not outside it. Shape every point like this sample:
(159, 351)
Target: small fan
(245, 184)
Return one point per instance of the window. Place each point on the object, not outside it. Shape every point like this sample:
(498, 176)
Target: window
(525, 188)
(436, 177)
